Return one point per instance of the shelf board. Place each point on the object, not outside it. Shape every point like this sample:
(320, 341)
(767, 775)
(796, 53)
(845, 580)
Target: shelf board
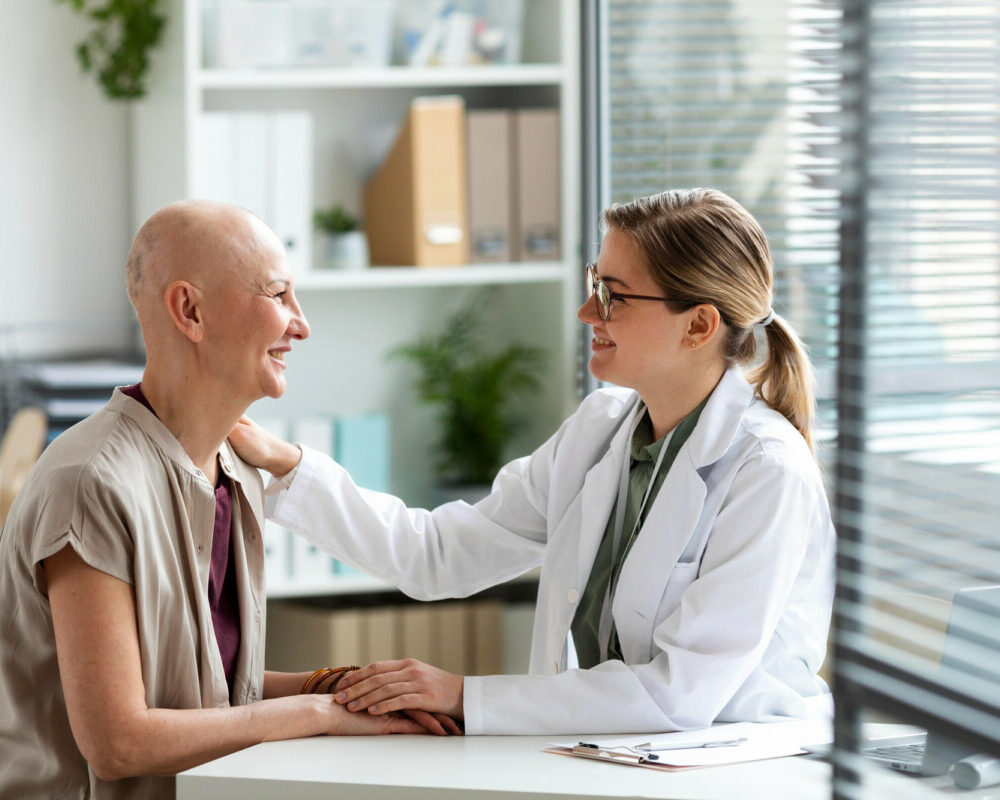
(335, 585)
(355, 584)
(381, 77)
(416, 277)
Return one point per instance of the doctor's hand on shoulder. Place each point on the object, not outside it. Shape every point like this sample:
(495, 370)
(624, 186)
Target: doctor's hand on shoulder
(261, 448)
(405, 685)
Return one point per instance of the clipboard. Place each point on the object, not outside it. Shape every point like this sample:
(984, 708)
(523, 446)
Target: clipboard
(607, 754)
(692, 749)
(614, 756)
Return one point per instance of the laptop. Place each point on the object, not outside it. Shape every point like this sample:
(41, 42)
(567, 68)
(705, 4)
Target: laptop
(971, 624)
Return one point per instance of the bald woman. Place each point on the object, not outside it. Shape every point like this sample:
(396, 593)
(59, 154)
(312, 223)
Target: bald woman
(131, 565)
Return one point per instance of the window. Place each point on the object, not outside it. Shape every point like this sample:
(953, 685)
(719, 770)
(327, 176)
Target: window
(918, 460)
(865, 137)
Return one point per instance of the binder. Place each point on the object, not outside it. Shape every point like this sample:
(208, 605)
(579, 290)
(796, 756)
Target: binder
(249, 160)
(289, 182)
(361, 446)
(453, 644)
(489, 140)
(419, 627)
(346, 636)
(309, 564)
(488, 639)
(261, 162)
(278, 541)
(512, 654)
(536, 147)
(381, 635)
(317, 432)
(212, 157)
(415, 205)
(299, 636)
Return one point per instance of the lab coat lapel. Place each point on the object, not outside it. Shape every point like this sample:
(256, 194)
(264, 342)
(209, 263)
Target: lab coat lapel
(600, 488)
(673, 518)
(578, 532)
(669, 525)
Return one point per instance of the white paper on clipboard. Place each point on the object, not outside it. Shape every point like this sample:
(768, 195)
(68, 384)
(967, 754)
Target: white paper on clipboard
(763, 740)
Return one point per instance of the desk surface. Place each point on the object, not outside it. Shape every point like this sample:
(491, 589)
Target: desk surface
(503, 768)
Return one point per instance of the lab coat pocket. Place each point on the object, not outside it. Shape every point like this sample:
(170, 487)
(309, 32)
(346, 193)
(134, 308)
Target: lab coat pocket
(682, 575)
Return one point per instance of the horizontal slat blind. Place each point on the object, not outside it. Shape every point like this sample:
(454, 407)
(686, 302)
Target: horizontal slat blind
(742, 97)
(865, 136)
(919, 512)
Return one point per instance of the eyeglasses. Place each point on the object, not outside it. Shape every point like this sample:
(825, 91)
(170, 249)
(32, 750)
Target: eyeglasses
(604, 297)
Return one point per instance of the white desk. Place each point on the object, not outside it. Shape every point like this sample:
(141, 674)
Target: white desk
(505, 768)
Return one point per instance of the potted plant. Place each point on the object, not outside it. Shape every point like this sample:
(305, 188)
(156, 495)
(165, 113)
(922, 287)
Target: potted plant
(472, 390)
(117, 49)
(346, 246)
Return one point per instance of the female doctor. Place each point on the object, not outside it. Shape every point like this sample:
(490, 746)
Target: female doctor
(681, 523)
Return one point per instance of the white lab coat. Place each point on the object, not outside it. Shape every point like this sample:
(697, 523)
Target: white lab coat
(723, 602)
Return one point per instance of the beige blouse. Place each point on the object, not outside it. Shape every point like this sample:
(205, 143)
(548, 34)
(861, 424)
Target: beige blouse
(122, 492)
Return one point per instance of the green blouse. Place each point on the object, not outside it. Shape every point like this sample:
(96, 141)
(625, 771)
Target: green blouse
(645, 451)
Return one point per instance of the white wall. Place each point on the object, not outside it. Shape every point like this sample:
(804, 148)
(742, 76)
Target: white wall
(64, 212)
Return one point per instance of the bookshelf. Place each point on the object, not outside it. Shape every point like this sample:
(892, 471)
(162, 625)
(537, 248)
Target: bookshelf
(356, 317)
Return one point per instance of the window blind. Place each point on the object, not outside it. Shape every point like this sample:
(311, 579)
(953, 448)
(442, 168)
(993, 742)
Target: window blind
(918, 462)
(739, 96)
(864, 135)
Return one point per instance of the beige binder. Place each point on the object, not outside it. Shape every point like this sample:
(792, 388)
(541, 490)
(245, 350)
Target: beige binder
(453, 644)
(536, 149)
(419, 626)
(487, 637)
(382, 634)
(415, 205)
(489, 140)
(299, 637)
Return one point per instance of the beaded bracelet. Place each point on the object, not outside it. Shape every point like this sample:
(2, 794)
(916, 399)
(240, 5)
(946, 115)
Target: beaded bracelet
(314, 681)
(322, 674)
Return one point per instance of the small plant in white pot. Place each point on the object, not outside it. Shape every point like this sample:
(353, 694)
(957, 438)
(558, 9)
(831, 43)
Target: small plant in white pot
(345, 243)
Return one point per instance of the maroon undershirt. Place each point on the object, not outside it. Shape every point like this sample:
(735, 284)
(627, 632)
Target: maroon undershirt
(223, 598)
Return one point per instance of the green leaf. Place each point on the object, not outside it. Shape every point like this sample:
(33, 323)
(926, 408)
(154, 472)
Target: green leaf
(117, 48)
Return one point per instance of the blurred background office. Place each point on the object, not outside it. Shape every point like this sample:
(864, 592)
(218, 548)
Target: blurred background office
(865, 136)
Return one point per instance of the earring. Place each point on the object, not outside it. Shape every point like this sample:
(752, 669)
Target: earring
(694, 343)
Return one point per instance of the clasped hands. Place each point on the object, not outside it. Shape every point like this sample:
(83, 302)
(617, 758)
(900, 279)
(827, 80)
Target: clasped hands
(428, 695)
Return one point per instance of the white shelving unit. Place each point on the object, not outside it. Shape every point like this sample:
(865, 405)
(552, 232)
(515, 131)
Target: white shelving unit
(357, 316)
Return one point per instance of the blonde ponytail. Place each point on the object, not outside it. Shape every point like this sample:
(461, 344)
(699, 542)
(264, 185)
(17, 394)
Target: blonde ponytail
(785, 379)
